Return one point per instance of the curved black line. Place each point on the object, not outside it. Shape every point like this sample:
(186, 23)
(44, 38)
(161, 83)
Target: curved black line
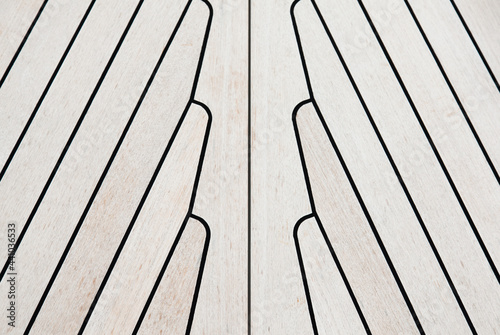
(473, 40)
(303, 270)
(68, 143)
(106, 169)
(344, 165)
(159, 166)
(299, 142)
(179, 234)
(398, 175)
(453, 92)
(21, 45)
(46, 90)
(200, 272)
(433, 146)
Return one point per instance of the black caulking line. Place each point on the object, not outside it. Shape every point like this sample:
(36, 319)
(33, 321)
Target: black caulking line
(431, 143)
(473, 40)
(104, 173)
(70, 140)
(310, 195)
(454, 93)
(200, 273)
(18, 51)
(181, 230)
(303, 269)
(249, 177)
(153, 179)
(45, 91)
(398, 175)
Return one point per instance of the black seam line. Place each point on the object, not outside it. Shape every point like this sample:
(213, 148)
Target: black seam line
(25, 38)
(104, 173)
(454, 93)
(200, 273)
(70, 140)
(303, 271)
(249, 177)
(355, 189)
(431, 143)
(309, 191)
(398, 175)
(46, 90)
(157, 171)
(473, 40)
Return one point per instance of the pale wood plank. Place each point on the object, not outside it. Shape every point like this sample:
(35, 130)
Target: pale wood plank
(279, 196)
(467, 165)
(440, 210)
